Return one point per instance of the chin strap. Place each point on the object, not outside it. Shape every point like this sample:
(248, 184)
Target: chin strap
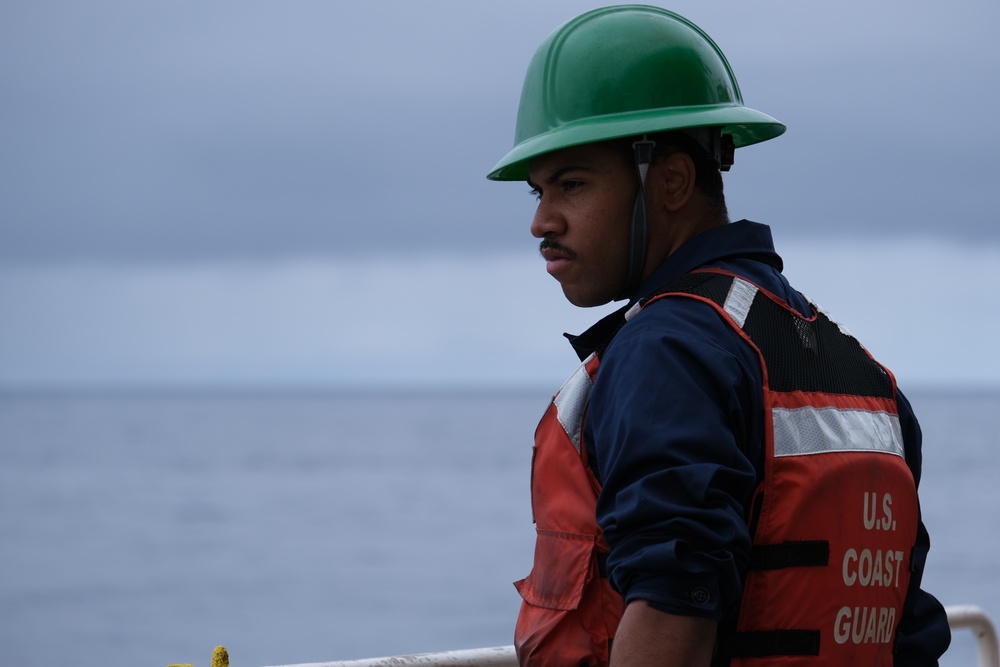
(639, 228)
(720, 148)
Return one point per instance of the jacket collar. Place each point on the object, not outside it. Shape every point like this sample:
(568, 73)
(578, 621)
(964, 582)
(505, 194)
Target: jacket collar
(744, 239)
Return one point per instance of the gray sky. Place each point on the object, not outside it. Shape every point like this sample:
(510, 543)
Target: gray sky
(156, 144)
(176, 129)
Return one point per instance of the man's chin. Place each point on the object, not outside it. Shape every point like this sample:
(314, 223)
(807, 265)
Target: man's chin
(585, 300)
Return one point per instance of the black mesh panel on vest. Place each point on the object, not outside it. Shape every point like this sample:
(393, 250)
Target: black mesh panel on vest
(812, 355)
(799, 354)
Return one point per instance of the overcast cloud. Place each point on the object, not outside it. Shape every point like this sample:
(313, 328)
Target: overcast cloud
(304, 163)
(177, 129)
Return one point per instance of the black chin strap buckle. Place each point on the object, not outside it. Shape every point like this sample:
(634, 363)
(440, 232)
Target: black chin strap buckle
(643, 150)
(719, 147)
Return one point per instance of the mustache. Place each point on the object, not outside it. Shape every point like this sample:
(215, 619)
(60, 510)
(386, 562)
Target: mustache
(549, 244)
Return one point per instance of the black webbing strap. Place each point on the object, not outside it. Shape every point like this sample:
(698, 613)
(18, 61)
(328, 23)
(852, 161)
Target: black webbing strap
(639, 227)
(812, 553)
(602, 563)
(772, 643)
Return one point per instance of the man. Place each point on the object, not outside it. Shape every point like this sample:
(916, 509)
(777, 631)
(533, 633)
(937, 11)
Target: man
(729, 478)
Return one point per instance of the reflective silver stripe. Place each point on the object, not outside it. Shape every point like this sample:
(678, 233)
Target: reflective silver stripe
(808, 430)
(571, 401)
(739, 300)
(630, 313)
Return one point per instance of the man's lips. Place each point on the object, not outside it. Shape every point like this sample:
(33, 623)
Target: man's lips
(555, 255)
(553, 251)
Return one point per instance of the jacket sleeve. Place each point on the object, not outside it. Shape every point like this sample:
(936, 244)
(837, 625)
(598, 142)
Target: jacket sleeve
(668, 413)
(923, 634)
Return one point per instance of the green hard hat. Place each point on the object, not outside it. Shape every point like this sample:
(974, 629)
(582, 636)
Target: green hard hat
(624, 71)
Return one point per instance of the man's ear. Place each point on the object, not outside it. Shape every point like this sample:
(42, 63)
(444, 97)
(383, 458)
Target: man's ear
(674, 175)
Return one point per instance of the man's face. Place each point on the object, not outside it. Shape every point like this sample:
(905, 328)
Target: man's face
(585, 198)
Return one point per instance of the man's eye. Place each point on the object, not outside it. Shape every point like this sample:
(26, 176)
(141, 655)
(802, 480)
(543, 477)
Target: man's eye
(569, 186)
(536, 193)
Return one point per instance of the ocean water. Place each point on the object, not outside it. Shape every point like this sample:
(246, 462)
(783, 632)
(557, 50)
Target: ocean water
(145, 530)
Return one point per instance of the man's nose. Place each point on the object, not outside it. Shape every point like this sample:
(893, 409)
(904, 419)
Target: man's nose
(547, 220)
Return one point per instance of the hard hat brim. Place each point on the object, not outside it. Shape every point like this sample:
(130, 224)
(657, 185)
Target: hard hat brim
(746, 126)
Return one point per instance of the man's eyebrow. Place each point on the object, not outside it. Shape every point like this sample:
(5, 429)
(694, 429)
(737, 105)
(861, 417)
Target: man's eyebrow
(559, 173)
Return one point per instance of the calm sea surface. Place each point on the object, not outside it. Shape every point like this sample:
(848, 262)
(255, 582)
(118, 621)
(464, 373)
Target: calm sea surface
(145, 530)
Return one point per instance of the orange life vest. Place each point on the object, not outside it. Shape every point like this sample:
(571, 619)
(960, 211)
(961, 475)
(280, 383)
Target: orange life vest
(833, 521)
(570, 612)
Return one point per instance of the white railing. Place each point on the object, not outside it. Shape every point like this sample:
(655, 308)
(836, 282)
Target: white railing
(977, 620)
(959, 617)
(500, 656)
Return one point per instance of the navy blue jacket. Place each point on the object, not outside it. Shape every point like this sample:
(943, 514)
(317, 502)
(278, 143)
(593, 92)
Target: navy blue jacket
(675, 434)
